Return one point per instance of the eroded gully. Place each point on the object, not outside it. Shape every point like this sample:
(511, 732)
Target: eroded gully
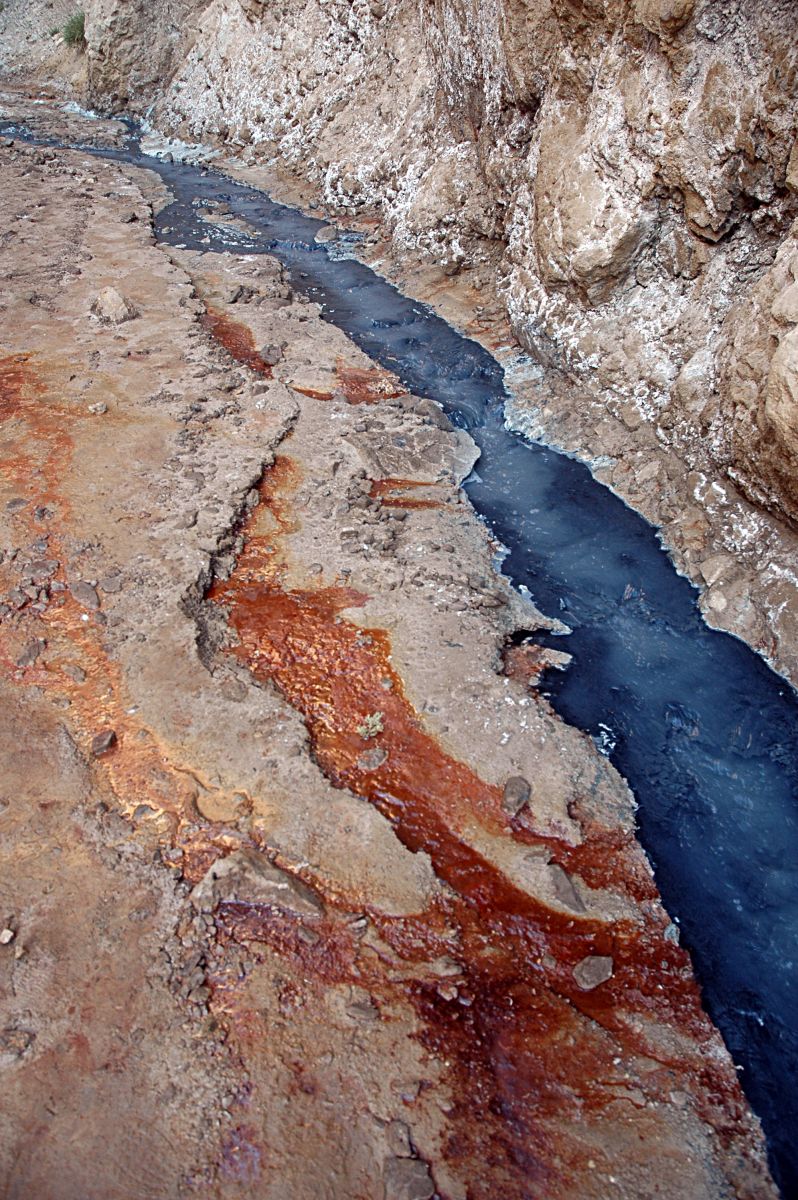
(702, 729)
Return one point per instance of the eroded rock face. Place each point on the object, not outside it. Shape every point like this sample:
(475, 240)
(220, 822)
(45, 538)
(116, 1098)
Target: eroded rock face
(625, 171)
(758, 361)
(125, 63)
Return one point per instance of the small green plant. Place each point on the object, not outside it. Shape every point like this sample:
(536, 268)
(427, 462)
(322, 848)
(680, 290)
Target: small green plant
(74, 31)
(372, 725)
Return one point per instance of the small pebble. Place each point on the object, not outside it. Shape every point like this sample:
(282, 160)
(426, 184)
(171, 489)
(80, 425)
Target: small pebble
(85, 594)
(516, 794)
(102, 742)
(593, 970)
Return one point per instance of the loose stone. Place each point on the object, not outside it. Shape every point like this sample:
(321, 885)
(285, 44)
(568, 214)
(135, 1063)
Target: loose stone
(85, 594)
(102, 742)
(112, 308)
(592, 971)
(407, 1179)
(371, 760)
(516, 794)
(30, 653)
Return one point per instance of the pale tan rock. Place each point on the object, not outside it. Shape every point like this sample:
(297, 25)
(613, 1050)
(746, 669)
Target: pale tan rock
(220, 806)
(759, 365)
(113, 308)
(791, 178)
(585, 232)
(785, 306)
(717, 568)
(248, 876)
(664, 17)
(593, 971)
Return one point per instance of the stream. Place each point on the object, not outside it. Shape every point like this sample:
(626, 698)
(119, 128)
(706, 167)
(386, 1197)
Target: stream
(704, 732)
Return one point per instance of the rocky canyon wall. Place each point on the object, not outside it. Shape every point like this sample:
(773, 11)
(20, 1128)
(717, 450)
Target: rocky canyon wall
(624, 171)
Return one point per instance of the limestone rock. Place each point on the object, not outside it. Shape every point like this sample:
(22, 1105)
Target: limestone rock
(112, 308)
(592, 971)
(664, 17)
(407, 1179)
(758, 363)
(248, 876)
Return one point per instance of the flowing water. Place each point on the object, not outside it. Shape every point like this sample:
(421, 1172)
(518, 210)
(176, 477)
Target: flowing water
(705, 733)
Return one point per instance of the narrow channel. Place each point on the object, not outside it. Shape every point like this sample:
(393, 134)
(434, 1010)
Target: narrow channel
(704, 732)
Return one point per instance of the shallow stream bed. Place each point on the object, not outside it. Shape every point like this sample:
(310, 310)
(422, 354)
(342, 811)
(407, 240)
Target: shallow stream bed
(703, 730)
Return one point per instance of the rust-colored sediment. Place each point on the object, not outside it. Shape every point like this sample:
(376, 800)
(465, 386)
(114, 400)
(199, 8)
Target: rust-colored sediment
(384, 490)
(525, 664)
(531, 1054)
(366, 385)
(357, 385)
(237, 340)
(145, 776)
(313, 393)
(35, 438)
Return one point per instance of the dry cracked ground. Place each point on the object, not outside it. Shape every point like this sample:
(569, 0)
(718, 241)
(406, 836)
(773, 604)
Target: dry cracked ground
(305, 890)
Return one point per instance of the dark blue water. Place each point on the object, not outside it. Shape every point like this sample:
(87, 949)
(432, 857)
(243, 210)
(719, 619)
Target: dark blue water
(705, 733)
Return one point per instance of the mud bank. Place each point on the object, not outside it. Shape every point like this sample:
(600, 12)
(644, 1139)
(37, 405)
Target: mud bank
(228, 644)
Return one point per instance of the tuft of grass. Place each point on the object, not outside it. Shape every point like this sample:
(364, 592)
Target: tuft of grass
(74, 31)
(372, 725)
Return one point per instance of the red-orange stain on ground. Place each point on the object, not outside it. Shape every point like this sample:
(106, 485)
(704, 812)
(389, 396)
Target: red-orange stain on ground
(35, 434)
(313, 393)
(523, 1059)
(36, 446)
(530, 1051)
(237, 340)
(367, 385)
(384, 490)
(525, 664)
(14, 376)
(356, 385)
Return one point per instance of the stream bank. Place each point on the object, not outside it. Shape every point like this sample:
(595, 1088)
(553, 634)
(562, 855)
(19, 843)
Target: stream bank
(212, 766)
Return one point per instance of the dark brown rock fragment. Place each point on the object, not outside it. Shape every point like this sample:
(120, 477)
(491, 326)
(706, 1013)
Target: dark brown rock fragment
(102, 742)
